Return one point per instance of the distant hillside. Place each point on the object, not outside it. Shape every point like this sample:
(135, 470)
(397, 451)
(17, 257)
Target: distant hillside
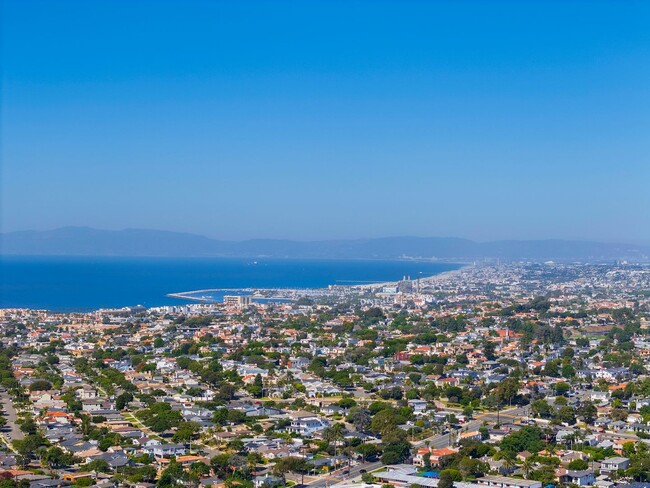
(139, 242)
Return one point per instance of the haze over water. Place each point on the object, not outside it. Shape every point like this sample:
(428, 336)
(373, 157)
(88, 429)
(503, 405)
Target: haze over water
(82, 283)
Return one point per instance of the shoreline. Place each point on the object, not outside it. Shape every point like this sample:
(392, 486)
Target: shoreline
(186, 295)
(423, 280)
(163, 285)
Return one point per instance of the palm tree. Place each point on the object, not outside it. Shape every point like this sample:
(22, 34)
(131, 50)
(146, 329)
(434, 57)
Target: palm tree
(526, 467)
(509, 463)
(569, 440)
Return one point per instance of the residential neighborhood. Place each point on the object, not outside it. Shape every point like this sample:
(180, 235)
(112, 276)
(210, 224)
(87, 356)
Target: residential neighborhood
(518, 375)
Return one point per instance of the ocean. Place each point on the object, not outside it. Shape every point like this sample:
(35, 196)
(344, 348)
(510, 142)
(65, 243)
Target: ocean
(89, 283)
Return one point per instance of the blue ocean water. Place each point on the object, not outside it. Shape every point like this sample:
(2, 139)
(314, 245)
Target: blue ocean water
(87, 283)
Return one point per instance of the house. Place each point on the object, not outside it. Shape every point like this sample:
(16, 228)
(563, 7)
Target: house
(613, 464)
(473, 435)
(92, 404)
(167, 450)
(638, 427)
(267, 481)
(307, 425)
(76, 476)
(435, 455)
(619, 444)
(507, 482)
(145, 442)
(419, 406)
(127, 431)
(115, 459)
(581, 478)
(187, 461)
(444, 382)
(298, 363)
(46, 482)
(87, 393)
(402, 476)
(331, 410)
(599, 396)
(438, 454)
(523, 455)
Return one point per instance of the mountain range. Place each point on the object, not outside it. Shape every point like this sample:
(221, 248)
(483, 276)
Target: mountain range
(84, 241)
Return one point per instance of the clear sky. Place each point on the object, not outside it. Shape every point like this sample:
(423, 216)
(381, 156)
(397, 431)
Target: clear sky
(338, 119)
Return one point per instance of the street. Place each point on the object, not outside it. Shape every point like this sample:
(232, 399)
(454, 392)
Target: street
(436, 441)
(338, 476)
(11, 430)
(509, 415)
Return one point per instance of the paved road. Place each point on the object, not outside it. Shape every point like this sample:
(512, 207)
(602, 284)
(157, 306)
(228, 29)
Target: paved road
(436, 441)
(11, 431)
(338, 476)
(510, 415)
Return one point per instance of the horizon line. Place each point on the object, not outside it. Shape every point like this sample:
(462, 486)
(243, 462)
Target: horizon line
(331, 239)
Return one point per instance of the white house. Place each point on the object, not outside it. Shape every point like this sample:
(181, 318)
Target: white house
(308, 425)
(613, 464)
(167, 450)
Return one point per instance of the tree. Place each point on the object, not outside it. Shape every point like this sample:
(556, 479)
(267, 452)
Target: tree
(28, 426)
(567, 415)
(360, 418)
(28, 446)
(238, 463)
(290, 464)
(541, 408)
(257, 388)
(143, 473)
(507, 390)
(545, 474)
(578, 464)
(562, 388)
(568, 371)
(588, 412)
(173, 475)
(527, 467)
(160, 417)
(226, 392)
(40, 385)
(236, 445)
(221, 464)
(346, 402)
(98, 466)
(367, 478)
(509, 462)
(55, 457)
(385, 421)
(186, 431)
(367, 450)
(446, 480)
(395, 452)
(489, 349)
(528, 438)
(333, 433)
(123, 400)
(472, 467)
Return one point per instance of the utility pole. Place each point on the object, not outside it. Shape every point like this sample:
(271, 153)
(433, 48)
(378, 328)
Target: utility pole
(302, 472)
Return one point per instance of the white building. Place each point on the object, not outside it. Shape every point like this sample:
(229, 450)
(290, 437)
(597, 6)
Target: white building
(308, 426)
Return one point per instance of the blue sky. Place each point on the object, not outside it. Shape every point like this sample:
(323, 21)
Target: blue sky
(339, 119)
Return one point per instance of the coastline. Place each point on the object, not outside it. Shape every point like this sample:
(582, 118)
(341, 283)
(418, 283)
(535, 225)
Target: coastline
(424, 280)
(92, 284)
